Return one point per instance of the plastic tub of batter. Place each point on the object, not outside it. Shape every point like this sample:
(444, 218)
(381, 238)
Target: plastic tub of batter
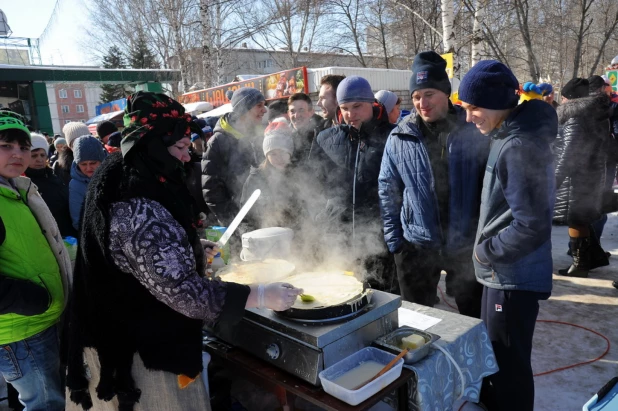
(330, 376)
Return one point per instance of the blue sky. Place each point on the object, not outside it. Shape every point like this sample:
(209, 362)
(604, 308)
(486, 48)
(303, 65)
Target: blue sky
(28, 18)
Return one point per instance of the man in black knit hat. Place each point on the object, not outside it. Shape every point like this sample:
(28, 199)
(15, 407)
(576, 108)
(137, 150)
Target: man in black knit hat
(106, 129)
(430, 187)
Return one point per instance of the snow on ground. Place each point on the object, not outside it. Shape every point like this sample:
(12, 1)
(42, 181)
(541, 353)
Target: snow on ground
(590, 302)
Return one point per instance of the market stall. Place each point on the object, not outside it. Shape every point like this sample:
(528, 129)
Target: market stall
(198, 107)
(114, 116)
(295, 347)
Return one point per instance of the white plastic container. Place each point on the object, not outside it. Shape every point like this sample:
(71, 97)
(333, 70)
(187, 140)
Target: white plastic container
(272, 242)
(366, 354)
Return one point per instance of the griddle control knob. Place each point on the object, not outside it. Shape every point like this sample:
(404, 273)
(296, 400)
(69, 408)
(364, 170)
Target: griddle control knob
(273, 351)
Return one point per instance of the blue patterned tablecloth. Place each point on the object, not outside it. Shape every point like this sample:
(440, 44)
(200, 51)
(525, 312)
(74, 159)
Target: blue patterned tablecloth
(437, 384)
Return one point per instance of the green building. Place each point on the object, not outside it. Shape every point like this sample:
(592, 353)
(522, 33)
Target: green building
(31, 90)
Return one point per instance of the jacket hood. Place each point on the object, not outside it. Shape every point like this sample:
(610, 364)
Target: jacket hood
(76, 174)
(8, 184)
(533, 118)
(16, 184)
(224, 125)
(407, 126)
(592, 107)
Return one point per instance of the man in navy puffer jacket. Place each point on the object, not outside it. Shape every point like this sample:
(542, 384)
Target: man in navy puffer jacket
(430, 191)
(512, 255)
(353, 152)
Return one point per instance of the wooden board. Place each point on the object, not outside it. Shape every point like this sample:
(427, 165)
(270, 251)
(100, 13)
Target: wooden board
(329, 288)
(267, 271)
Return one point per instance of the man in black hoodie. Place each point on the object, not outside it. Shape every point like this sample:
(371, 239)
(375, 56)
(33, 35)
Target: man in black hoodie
(356, 149)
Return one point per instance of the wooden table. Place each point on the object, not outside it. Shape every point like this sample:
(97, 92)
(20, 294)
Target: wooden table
(287, 387)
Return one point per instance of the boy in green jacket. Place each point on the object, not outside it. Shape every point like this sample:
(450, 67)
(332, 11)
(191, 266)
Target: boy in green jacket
(34, 273)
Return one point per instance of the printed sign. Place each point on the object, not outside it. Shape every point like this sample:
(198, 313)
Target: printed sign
(449, 63)
(110, 107)
(612, 75)
(274, 86)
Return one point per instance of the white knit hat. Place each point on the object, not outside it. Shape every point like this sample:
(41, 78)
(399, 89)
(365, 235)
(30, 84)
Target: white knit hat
(278, 135)
(74, 130)
(38, 141)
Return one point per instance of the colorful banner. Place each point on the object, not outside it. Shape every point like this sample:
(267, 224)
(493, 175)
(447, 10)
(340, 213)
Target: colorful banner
(449, 63)
(274, 86)
(110, 107)
(612, 75)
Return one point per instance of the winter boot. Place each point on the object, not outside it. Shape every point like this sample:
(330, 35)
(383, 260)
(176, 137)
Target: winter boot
(598, 256)
(580, 247)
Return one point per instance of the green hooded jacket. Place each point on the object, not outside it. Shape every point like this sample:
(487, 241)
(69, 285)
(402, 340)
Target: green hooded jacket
(32, 250)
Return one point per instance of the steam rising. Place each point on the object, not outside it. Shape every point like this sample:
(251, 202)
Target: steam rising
(328, 244)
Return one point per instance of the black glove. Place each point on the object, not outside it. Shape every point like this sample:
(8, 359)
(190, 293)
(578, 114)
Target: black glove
(22, 297)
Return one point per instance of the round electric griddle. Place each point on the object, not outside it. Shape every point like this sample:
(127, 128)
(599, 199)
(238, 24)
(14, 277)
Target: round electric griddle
(331, 313)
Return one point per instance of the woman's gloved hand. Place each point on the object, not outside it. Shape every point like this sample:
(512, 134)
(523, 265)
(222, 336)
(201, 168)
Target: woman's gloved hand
(278, 296)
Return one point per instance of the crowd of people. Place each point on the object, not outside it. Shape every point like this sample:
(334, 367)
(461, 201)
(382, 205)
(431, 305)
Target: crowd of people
(470, 188)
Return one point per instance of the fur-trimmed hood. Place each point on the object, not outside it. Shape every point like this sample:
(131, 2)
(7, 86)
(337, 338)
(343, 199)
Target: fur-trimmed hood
(592, 108)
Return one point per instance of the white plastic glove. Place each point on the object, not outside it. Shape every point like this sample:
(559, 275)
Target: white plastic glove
(279, 296)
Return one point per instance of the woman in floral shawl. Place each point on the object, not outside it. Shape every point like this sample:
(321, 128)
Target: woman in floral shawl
(140, 298)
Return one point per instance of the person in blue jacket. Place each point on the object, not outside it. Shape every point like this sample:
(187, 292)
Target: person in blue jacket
(430, 191)
(88, 155)
(512, 256)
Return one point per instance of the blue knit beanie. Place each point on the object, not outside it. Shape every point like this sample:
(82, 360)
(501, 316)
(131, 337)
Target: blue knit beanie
(244, 99)
(491, 85)
(429, 71)
(546, 89)
(354, 89)
(87, 148)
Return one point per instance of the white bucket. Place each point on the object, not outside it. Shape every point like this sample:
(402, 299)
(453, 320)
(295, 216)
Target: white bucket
(272, 242)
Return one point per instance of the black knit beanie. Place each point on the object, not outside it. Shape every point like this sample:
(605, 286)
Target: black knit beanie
(429, 71)
(105, 128)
